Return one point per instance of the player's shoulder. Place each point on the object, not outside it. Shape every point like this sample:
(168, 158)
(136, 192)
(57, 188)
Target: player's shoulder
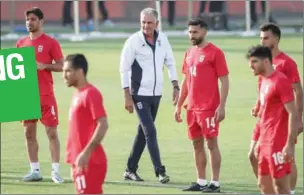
(21, 40)
(289, 61)
(92, 90)
(48, 38)
(279, 77)
(214, 48)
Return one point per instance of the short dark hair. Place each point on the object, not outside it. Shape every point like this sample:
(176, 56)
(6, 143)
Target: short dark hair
(273, 28)
(78, 61)
(198, 21)
(36, 11)
(259, 51)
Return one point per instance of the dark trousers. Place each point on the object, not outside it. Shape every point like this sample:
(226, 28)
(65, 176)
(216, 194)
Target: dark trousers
(146, 109)
(67, 15)
(171, 12)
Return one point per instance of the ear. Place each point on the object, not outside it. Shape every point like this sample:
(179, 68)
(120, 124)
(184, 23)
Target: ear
(41, 21)
(157, 23)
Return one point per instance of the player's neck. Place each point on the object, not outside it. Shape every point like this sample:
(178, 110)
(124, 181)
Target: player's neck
(35, 35)
(268, 71)
(81, 84)
(203, 44)
(275, 51)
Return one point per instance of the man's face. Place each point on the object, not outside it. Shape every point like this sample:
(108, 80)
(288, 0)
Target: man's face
(268, 39)
(257, 65)
(148, 24)
(70, 75)
(33, 24)
(196, 34)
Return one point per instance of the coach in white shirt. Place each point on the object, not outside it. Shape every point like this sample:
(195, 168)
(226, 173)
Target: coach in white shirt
(141, 67)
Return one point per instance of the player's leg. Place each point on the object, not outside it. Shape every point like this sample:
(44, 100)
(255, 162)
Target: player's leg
(293, 177)
(50, 121)
(280, 171)
(196, 136)
(135, 155)
(282, 185)
(210, 132)
(265, 182)
(30, 130)
(252, 151)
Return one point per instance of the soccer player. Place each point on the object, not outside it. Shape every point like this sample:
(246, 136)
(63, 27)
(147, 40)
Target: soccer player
(47, 51)
(87, 128)
(278, 123)
(270, 36)
(204, 65)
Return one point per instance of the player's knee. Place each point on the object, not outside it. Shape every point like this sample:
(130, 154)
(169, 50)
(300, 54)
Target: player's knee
(149, 132)
(52, 133)
(30, 131)
(198, 145)
(212, 144)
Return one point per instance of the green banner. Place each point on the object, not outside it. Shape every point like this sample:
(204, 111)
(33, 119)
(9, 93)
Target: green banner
(19, 92)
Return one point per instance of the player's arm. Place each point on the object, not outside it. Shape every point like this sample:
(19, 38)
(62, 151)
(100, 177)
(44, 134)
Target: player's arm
(222, 73)
(224, 90)
(183, 92)
(298, 90)
(292, 126)
(56, 67)
(99, 134)
(57, 55)
(94, 102)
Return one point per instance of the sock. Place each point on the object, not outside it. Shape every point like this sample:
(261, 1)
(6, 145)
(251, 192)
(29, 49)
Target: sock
(202, 182)
(35, 166)
(293, 192)
(216, 183)
(55, 167)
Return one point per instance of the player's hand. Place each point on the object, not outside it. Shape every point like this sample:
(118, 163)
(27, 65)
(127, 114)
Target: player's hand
(40, 66)
(177, 115)
(288, 153)
(220, 114)
(129, 103)
(81, 162)
(175, 96)
(255, 111)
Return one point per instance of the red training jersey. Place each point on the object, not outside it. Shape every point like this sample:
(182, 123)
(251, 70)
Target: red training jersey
(285, 64)
(86, 108)
(47, 50)
(203, 67)
(276, 90)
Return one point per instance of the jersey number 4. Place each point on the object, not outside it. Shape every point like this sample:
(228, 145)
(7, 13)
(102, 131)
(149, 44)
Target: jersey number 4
(193, 71)
(80, 182)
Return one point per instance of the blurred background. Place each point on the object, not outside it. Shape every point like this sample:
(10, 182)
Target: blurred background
(123, 16)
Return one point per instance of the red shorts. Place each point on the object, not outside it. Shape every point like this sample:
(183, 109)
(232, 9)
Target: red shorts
(270, 161)
(202, 124)
(49, 112)
(91, 180)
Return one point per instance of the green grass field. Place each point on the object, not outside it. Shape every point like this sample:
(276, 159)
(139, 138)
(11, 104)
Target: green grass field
(176, 149)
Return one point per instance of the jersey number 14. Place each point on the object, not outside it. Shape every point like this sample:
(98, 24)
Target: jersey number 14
(193, 71)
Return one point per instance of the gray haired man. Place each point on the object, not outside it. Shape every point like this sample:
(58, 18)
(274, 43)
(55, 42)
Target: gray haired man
(141, 67)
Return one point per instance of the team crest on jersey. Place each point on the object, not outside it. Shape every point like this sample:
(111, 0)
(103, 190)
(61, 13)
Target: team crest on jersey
(158, 41)
(202, 57)
(40, 48)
